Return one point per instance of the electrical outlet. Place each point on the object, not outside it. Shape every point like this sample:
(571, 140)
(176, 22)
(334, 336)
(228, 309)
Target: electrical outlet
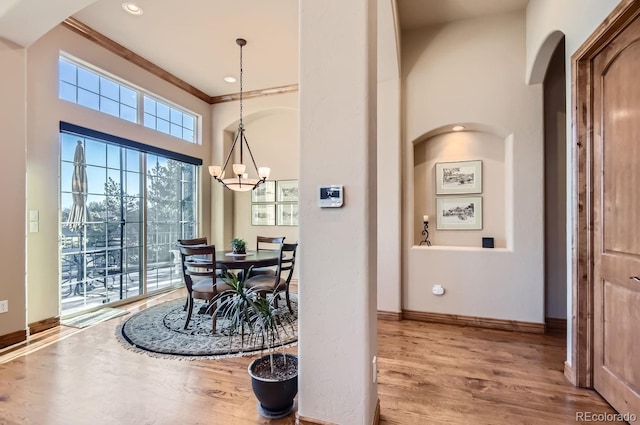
(4, 306)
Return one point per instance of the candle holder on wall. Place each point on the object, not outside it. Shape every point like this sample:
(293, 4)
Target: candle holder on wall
(425, 232)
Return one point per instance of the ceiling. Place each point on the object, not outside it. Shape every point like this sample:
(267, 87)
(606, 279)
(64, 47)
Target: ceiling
(415, 14)
(195, 40)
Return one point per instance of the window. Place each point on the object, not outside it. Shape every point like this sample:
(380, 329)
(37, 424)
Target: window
(138, 201)
(167, 119)
(84, 86)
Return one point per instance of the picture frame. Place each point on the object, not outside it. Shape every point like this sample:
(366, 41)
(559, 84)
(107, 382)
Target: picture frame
(266, 192)
(458, 177)
(287, 214)
(287, 191)
(263, 214)
(459, 213)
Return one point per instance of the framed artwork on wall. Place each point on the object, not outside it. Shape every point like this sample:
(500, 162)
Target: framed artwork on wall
(287, 191)
(458, 177)
(266, 192)
(287, 214)
(263, 214)
(459, 213)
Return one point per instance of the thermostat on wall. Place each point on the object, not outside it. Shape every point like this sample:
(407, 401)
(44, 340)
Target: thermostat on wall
(330, 196)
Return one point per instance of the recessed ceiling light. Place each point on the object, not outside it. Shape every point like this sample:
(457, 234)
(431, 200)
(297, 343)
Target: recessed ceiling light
(458, 128)
(132, 8)
(230, 79)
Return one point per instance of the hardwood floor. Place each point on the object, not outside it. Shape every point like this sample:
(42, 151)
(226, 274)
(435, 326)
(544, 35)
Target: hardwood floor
(428, 374)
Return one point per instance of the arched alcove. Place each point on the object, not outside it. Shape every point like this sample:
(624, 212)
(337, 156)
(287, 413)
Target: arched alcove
(444, 146)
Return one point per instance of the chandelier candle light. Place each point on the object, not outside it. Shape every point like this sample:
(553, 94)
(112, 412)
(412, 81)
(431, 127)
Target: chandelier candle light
(240, 182)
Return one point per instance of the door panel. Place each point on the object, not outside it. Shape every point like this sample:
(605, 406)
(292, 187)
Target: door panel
(617, 220)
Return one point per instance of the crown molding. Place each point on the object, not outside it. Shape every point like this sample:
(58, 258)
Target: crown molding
(118, 49)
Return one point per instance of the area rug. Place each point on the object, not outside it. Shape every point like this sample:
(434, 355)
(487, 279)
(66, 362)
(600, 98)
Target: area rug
(88, 319)
(158, 331)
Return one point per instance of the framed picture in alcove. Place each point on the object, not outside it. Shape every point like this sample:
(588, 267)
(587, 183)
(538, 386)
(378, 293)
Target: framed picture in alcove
(263, 214)
(459, 213)
(266, 192)
(458, 177)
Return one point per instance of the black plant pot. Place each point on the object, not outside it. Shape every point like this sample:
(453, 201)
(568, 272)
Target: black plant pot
(275, 396)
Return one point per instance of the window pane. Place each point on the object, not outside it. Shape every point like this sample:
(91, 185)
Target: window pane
(113, 156)
(149, 105)
(67, 92)
(88, 99)
(96, 179)
(109, 89)
(109, 106)
(129, 114)
(88, 80)
(68, 149)
(176, 131)
(133, 160)
(162, 126)
(66, 174)
(187, 122)
(162, 111)
(149, 121)
(188, 135)
(133, 184)
(128, 97)
(67, 71)
(95, 152)
(176, 116)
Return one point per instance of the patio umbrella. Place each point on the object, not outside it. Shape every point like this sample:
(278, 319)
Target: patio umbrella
(78, 189)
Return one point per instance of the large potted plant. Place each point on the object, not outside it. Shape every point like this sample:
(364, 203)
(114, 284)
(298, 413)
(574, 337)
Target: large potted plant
(249, 314)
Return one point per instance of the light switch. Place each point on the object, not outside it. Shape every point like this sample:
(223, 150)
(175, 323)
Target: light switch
(33, 215)
(33, 227)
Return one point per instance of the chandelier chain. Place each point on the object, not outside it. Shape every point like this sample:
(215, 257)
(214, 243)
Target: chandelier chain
(241, 125)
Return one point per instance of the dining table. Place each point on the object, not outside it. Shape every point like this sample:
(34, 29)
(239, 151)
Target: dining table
(256, 258)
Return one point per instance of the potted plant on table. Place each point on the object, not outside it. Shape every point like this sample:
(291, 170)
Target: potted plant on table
(251, 316)
(238, 246)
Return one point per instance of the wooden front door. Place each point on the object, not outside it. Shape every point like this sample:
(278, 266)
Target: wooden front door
(616, 201)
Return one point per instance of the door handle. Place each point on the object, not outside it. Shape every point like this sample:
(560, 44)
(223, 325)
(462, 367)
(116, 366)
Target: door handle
(636, 278)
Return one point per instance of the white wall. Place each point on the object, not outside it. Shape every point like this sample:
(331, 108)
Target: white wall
(576, 19)
(45, 111)
(472, 71)
(12, 190)
(337, 323)
(389, 159)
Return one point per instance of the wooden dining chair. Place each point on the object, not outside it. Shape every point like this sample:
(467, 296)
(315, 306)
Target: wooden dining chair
(280, 281)
(267, 243)
(200, 278)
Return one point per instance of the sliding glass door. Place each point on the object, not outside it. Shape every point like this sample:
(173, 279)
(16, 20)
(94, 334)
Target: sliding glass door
(107, 254)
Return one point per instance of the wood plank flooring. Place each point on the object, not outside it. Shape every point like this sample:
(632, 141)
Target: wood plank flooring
(428, 374)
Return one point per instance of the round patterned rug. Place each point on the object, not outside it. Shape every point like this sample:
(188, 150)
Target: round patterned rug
(158, 331)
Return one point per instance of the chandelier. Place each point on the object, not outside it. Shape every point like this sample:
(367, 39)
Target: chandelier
(240, 181)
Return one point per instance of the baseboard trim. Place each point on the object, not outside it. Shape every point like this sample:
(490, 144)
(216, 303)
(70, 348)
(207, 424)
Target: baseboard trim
(390, 315)
(13, 338)
(569, 373)
(478, 322)
(43, 325)
(302, 420)
(556, 326)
